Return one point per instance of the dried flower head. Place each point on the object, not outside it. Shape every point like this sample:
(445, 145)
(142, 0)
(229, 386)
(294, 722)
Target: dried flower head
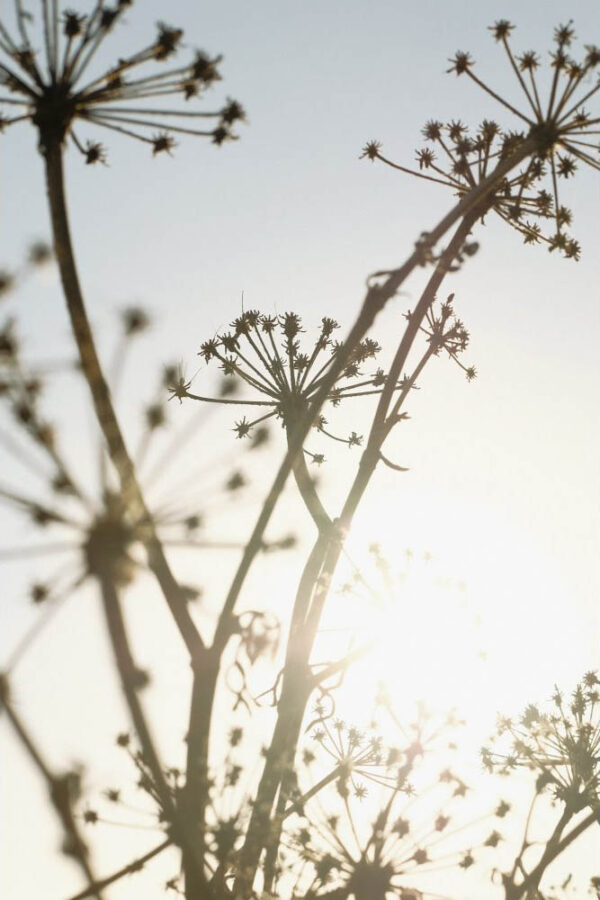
(49, 88)
(557, 136)
(93, 534)
(265, 353)
(382, 837)
(562, 745)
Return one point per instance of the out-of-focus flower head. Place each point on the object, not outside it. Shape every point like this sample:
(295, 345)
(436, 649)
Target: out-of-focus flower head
(91, 533)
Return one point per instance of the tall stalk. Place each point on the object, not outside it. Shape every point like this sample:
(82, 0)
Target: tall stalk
(206, 661)
(297, 684)
(378, 295)
(107, 419)
(134, 504)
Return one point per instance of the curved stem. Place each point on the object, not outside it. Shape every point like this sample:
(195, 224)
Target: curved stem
(103, 406)
(195, 796)
(308, 492)
(59, 788)
(378, 429)
(316, 580)
(555, 846)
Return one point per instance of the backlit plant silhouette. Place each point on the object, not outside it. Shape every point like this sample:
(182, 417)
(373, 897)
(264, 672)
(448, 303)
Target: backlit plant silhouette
(254, 847)
(561, 747)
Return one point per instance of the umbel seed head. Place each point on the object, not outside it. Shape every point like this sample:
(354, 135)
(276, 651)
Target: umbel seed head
(52, 87)
(556, 137)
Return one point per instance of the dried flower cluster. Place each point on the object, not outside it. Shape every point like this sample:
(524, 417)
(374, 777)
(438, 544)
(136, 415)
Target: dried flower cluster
(265, 353)
(562, 745)
(374, 847)
(49, 88)
(562, 134)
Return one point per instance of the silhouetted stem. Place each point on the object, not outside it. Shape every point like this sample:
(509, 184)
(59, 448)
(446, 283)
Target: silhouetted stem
(555, 846)
(129, 869)
(195, 795)
(60, 794)
(376, 298)
(297, 684)
(309, 493)
(130, 675)
(378, 429)
(105, 413)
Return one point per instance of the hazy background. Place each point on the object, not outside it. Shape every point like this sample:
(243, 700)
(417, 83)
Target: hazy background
(503, 487)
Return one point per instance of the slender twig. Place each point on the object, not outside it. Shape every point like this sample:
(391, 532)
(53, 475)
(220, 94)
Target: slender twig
(59, 788)
(129, 869)
(376, 298)
(130, 680)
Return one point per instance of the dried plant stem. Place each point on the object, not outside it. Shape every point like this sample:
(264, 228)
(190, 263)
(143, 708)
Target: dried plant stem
(60, 791)
(129, 869)
(129, 675)
(376, 298)
(382, 426)
(314, 587)
(101, 395)
(195, 794)
(309, 493)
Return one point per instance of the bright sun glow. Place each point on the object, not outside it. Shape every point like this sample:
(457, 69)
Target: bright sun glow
(439, 637)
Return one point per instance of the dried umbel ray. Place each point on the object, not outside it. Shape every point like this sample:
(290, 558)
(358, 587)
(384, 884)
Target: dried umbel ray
(265, 352)
(394, 819)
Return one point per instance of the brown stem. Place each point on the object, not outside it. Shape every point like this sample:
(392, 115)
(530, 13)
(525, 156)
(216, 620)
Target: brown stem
(105, 413)
(308, 492)
(555, 846)
(376, 298)
(195, 794)
(297, 685)
(378, 429)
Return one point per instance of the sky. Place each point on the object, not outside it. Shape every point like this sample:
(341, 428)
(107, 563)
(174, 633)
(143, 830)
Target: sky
(503, 486)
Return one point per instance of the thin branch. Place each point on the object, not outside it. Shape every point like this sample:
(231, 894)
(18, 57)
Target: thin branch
(59, 787)
(130, 680)
(129, 869)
